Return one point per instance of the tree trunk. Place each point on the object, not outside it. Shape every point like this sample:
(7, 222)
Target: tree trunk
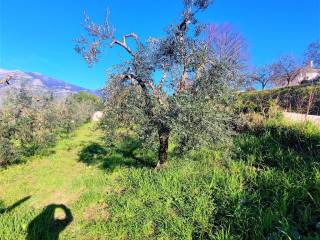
(311, 100)
(288, 82)
(164, 134)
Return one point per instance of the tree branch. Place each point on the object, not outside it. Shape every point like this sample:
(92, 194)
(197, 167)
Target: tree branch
(124, 45)
(164, 77)
(184, 77)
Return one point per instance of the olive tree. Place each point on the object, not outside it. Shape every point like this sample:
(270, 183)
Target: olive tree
(26, 131)
(169, 87)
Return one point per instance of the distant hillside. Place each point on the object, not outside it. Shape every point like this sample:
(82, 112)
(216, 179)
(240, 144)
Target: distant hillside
(38, 84)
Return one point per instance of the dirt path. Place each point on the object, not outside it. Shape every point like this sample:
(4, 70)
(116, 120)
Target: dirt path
(296, 117)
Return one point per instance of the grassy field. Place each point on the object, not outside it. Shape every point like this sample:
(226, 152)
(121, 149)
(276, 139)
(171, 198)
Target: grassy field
(26, 190)
(269, 188)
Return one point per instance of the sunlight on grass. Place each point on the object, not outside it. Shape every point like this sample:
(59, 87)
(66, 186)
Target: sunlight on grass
(87, 191)
(59, 178)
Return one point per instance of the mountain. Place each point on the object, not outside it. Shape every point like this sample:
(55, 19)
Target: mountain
(38, 84)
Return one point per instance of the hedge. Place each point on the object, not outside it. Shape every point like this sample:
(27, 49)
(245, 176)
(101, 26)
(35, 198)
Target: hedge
(301, 99)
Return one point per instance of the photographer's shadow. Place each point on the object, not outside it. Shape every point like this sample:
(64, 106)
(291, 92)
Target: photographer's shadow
(46, 226)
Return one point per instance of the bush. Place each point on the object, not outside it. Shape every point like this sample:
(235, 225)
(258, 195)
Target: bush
(249, 121)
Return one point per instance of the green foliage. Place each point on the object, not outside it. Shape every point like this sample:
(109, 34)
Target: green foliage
(8, 151)
(77, 109)
(198, 117)
(286, 187)
(293, 99)
(250, 118)
(31, 124)
(88, 98)
(191, 102)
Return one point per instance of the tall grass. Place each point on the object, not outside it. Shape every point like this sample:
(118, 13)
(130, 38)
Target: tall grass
(269, 188)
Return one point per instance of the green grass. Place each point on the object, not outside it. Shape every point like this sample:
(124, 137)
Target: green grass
(56, 179)
(270, 189)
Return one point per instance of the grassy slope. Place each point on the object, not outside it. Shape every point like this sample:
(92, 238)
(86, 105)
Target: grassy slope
(272, 191)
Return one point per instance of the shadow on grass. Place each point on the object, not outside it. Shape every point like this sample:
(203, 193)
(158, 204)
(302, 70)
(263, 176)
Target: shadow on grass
(48, 226)
(13, 206)
(108, 158)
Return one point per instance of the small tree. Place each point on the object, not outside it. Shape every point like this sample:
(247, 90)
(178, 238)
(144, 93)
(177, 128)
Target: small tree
(285, 70)
(168, 86)
(263, 76)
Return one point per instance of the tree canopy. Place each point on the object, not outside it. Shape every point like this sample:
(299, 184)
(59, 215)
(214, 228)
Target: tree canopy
(171, 86)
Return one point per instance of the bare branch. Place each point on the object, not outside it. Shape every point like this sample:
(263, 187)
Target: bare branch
(263, 76)
(103, 31)
(164, 77)
(124, 42)
(285, 70)
(227, 44)
(156, 92)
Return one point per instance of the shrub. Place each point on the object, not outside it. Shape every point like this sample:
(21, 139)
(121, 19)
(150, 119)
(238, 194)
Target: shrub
(249, 121)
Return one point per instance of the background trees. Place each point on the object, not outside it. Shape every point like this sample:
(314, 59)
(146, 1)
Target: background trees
(312, 53)
(171, 86)
(263, 76)
(30, 124)
(227, 44)
(285, 70)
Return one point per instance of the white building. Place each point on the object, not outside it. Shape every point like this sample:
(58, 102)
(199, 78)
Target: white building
(305, 75)
(96, 117)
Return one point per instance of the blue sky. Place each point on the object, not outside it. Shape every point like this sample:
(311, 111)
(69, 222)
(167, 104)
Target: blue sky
(37, 35)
